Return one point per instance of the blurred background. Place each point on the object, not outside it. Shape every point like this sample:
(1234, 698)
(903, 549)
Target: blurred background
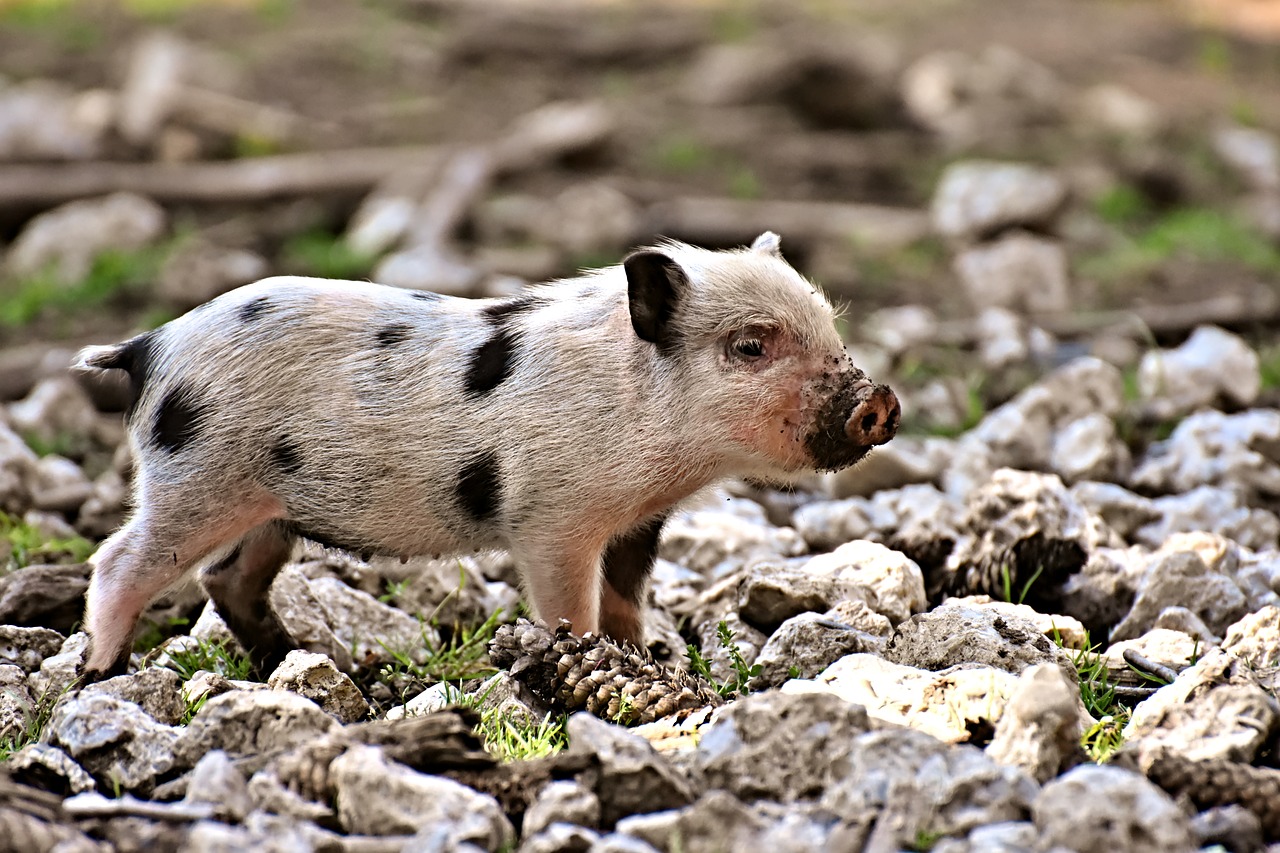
(989, 187)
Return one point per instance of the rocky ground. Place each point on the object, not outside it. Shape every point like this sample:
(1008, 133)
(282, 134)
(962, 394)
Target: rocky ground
(1045, 617)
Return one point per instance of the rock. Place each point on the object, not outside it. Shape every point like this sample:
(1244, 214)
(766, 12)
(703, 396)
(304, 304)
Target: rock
(1212, 710)
(1256, 638)
(1117, 109)
(427, 268)
(1209, 508)
(65, 242)
(43, 120)
(715, 543)
(216, 781)
(903, 462)
(370, 629)
(1252, 153)
(1213, 364)
(633, 779)
(17, 468)
(1122, 510)
(1088, 448)
(559, 838)
(1180, 620)
(893, 581)
(978, 198)
(114, 740)
(991, 96)
(378, 796)
(59, 485)
(1125, 811)
(1181, 578)
(1022, 535)
(1227, 828)
(901, 328)
(914, 784)
(591, 217)
(315, 677)
(718, 821)
(27, 647)
(950, 705)
(50, 768)
(156, 691)
(958, 634)
(1042, 723)
(305, 619)
(156, 69)
(58, 411)
(1171, 648)
(1004, 339)
(1018, 271)
(262, 833)
(248, 723)
(59, 672)
(780, 747)
(434, 698)
(17, 705)
(565, 801)
(199, 270)
(449, 591)
(805, 645)
(1065, 631)
(1240, 451)
(770, 594)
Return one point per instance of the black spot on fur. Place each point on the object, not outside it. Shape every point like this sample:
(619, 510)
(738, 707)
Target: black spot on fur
(479, 489)
(179, 419)
(425, 295)
(254, 308)
(225, 563)
(393, 333)
(492, 361)
(287, 455)
(629, 558)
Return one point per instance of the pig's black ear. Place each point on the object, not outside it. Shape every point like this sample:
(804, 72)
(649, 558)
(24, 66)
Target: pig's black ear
(655, 284)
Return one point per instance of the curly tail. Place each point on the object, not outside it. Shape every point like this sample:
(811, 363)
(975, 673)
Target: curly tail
(113, 357)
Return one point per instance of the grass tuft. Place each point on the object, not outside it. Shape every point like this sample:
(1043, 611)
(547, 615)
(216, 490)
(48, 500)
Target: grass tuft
(743, 672)
(211, 656)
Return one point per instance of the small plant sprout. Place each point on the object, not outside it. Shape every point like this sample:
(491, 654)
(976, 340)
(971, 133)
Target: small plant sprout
(737, 684)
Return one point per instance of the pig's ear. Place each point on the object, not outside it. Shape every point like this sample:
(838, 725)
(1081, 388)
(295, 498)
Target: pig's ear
(655, 284)
(768, 243)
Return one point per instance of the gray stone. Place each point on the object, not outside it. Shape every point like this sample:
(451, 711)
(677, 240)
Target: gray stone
(559, 838)
(315, 677)
(305, 619)
(1041, 725)
(377, 796)
(1088, 448)
(59, 485)
(616, 842)
(780, 747)
(370, 629)
(17, 468)
(428, 268)
(1228, 827)
(717, 542)
(156, 691)
(1018, 271)
(1212, 710)
(58, 673)
(1181, 578)
(58, 410)
(770, 594)
(903, 462)
(718, 821)
(1212, 364)
(805, 645)
(17, 705)
(893, 584)
(199, 270)
(216, 781)
(44, 120)
(1256, 638)
(633, 777)
(114, 740)
(1210, 448)
(1125, 812)
(1102, 592)
(567, 802)
(977, 197)
(921, 783)
(262, 833)
(1253, 154)
(1123, 511)
(590, 216)
(247, 723)
(1210, 508)
(50, 768)
(27, 647)
(953, 635)
(66, 240)
(449, 591)
(1117, 109)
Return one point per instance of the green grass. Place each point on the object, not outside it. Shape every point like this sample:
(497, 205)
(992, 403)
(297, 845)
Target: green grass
(61, 444)
(1122, 205)
(682, 155)
(1006, 584)
(211, 656)
(1269, 365)
(33, 726)
(151, 634)
(22, 545)
(737, 683)
(463, 656)
(1190, 234)
(510, 739)
(113, 274)
(322, 254)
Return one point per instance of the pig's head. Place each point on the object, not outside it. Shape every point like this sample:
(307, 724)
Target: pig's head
(765, 380)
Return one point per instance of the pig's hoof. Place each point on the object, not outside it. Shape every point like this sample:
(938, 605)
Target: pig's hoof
(875, 419)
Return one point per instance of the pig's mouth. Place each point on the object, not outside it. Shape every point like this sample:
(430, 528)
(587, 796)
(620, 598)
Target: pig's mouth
(853, 420)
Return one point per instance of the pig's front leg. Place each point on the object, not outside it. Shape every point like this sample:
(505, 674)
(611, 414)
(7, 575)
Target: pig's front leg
(563, 580)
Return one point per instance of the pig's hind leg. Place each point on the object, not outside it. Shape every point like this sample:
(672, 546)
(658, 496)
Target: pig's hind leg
(163, 541)
(239, 583)
(628, 561)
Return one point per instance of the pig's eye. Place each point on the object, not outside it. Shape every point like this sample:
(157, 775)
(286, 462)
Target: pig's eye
(748, 347)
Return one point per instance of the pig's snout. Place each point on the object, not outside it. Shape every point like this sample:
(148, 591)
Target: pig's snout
(874, 420)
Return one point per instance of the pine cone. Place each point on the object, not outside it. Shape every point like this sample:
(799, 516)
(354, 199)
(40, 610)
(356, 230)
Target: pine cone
(1216, 782)
(616, 683)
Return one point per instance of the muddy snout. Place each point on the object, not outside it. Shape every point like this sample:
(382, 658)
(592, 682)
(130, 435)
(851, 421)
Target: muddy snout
(875, 416)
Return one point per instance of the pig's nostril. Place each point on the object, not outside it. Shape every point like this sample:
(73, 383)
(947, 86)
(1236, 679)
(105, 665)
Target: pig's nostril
(869, 422)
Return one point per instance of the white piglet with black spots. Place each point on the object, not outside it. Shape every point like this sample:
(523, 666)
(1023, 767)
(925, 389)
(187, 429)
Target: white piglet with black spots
(562, 424)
